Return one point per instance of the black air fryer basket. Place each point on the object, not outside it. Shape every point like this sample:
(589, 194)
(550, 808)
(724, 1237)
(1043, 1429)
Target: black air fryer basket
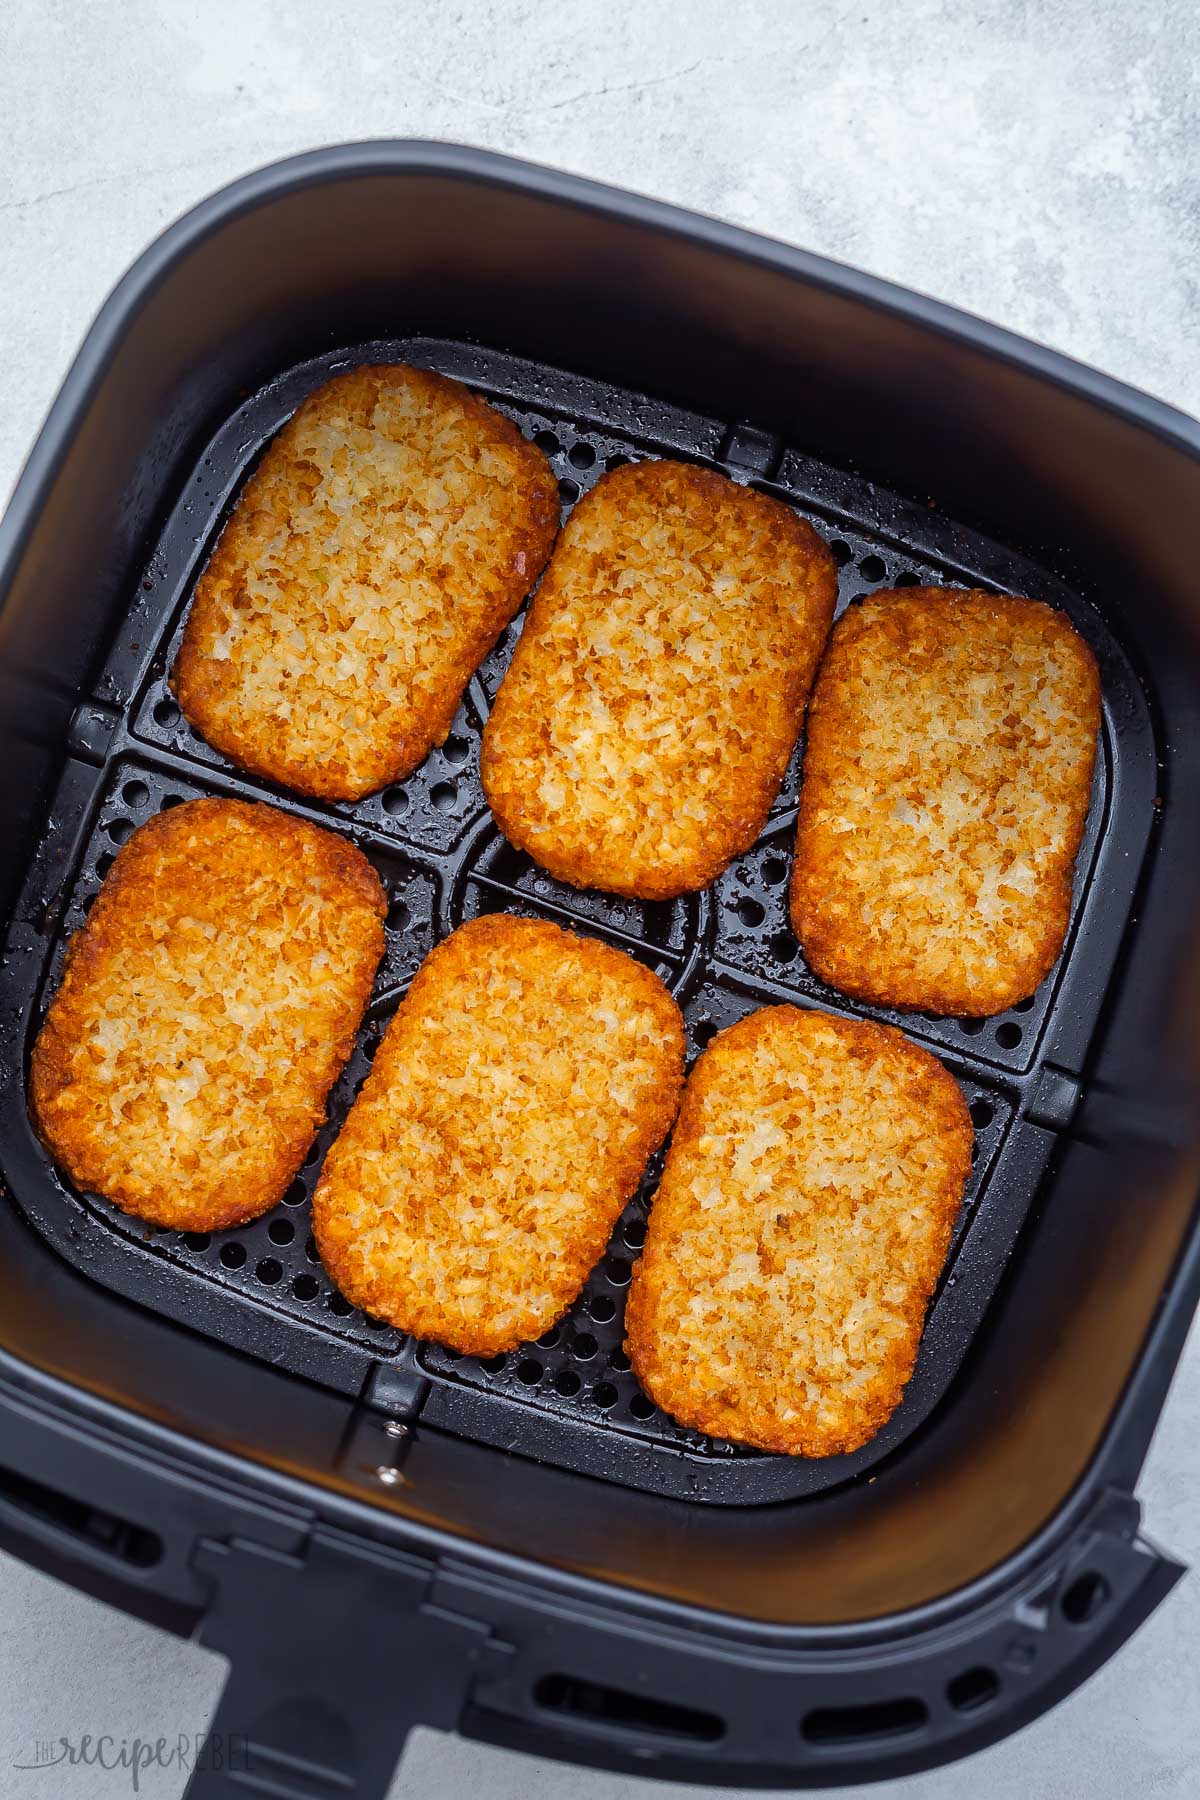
(377, 1532)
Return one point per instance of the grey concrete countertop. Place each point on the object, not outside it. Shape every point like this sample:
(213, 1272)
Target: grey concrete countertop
(1037, 164)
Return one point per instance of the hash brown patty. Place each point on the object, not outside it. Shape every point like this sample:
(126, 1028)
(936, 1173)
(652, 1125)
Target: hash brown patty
(947, 776)
(386, 539)
(523, 1083)
(205, 1010)
(658, 689)
(798, 1232)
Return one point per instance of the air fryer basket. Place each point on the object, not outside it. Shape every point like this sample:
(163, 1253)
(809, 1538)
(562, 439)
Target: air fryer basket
(552, 1561)
(722, 953)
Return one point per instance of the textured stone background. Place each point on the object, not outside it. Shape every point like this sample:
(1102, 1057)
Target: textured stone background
(1036, 163)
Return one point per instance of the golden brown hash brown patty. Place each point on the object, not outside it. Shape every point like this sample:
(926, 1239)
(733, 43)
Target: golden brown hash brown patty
(799, 1229)
(389, 534)
(520, 1088)
(947, 776)
(205, 1010)
(658, 689)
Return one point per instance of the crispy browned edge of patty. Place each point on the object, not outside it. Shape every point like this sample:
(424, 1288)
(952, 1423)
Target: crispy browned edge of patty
(749, 796)
(736, 1422)
(482, 938)
(50, 1062)
(826, 947)
(195, 688)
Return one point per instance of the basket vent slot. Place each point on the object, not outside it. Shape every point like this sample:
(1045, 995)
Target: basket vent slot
(853, 1725)
(120, 1538)
(617, 1710)
(972, 1689)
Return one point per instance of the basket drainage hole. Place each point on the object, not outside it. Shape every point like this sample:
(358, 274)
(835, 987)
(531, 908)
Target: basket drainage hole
(602, 1308)
(104, 864)
(581, 456)
(166, 714)
(1008, 1036)
(604, 1394)
(617, 1270)
(857, 1724)
(281, 1231)
(568, 492)
(784, 947)
(233, 1255)
(306, 1287)
(1087, 1596)
(119, 830)
(399, 918)
(972, 1689)
(546, 440)
(841, 551)
(1025, 1005)
(982, 1113)
(197, 1240)
(584, 1347)
(908, 579)
(567, 1384)
(529, 1370)
(339, 1305)
(395, 802)
(774, 871)
(641, 1407)
(296, 1195)
(456, 750)
(704, 1032)
(135, 793)
(751, 913)
(444, 796)
(493, 1365)
(269, 1271)
(873, 567)
(972, 1027)
(635, 1233)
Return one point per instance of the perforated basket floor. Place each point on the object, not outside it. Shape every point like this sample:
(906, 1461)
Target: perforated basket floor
(569, 1398)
